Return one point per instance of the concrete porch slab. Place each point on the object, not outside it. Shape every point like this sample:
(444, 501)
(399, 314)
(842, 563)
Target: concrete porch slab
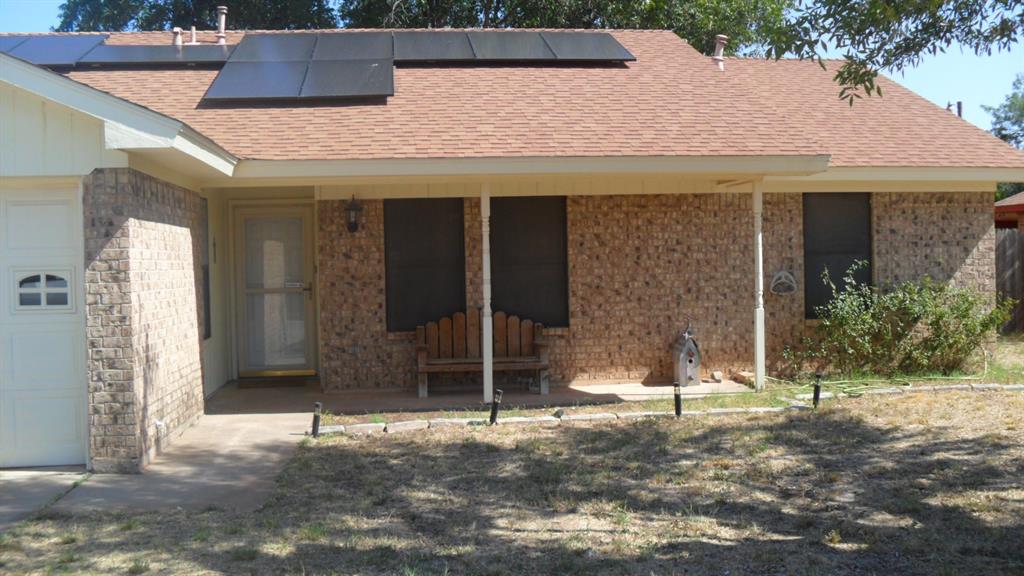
(25, 491)
(227, 461)
(232, 399)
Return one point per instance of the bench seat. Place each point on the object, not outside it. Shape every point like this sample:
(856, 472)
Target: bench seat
(452, 345)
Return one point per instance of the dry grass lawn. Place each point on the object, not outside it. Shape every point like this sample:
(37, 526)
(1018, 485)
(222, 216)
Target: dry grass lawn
(912, 484)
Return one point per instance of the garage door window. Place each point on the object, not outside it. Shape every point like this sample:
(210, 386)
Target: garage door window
(43, 290)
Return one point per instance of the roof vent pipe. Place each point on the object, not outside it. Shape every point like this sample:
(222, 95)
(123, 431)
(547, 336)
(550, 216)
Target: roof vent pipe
(719, 57)
(192, 36)
(177, 35)
(222, 22)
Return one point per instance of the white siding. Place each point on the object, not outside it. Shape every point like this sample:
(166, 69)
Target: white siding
(41, 138)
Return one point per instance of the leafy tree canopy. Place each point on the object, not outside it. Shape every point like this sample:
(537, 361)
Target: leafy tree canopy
(749, 23)
(874, 35)
(1008, 124)
(871, 35)
(118, 15)
(1008, 117)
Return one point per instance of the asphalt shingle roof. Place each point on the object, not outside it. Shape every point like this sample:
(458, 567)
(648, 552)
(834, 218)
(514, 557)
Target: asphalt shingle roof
(673, 101)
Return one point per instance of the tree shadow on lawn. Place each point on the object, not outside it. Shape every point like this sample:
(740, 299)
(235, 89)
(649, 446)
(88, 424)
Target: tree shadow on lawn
(809, 492)
(802, 493)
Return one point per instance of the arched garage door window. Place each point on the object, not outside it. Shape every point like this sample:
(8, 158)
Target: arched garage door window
(43, 290)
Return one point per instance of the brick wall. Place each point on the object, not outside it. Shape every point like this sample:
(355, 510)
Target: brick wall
(949, 237)
(638, 267)
(144, 242)
(355, 348)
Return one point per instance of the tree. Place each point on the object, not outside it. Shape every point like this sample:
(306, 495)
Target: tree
(876, 35)
(117, 15)
(1008, 124)
(749, 23)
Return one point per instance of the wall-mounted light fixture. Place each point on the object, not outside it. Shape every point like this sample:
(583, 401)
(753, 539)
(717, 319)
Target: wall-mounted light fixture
(352, 210)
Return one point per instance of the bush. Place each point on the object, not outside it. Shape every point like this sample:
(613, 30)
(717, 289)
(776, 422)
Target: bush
(911, 328)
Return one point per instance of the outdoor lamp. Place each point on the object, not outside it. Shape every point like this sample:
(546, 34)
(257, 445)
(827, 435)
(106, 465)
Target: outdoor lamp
(352, 210)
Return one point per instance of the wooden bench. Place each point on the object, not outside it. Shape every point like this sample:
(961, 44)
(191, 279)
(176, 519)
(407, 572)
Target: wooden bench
(452, 345)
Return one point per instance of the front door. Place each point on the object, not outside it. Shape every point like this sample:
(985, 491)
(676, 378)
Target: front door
(274, 272)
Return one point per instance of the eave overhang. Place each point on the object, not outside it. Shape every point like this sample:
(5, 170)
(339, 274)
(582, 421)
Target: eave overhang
(127, 126)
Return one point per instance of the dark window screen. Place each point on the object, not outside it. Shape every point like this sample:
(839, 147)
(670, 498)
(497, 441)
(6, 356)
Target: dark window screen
(837, 233)
(424, 261)
(528, 259)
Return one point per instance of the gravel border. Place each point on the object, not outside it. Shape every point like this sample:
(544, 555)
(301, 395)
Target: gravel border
(797, 403)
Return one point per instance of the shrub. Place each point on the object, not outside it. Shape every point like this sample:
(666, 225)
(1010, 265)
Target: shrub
(909, 328)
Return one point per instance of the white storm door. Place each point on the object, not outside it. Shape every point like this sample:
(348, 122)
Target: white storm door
(274, 276)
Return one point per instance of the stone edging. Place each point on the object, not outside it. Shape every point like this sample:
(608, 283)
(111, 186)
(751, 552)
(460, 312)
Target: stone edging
(568, 419)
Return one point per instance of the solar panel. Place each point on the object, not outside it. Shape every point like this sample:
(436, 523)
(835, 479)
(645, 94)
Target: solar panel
(274, 48)
(510, 46)
(433, 47)
(349, 78)
(353, 46)
(56, 50)
(587, 46)
(249, 80)
(208, 53)
(7, 43)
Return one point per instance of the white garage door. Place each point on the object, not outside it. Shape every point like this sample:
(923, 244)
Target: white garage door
(42, 329)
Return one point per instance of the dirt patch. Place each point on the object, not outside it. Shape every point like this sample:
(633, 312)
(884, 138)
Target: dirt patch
(910, 484)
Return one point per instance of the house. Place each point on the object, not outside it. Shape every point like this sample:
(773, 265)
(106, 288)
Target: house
(175, 215)
(1008, 211)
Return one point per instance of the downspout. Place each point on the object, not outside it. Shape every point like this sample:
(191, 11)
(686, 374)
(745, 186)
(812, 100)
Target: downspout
(487, 338)
(759, 337)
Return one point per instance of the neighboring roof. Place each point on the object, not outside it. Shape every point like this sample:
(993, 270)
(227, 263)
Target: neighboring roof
(673, 101)
(1012, 204)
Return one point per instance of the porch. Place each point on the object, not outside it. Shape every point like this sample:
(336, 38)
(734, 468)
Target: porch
(623, 265)
(299, 396)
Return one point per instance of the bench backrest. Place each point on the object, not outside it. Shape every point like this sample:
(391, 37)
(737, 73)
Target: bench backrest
(459, 336)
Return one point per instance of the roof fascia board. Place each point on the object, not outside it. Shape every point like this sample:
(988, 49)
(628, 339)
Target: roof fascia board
(126, 125)
(908, 174)
(454, 167)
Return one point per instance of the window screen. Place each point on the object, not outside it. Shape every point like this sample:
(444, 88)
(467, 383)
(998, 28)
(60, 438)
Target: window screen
(529, 272)
(424, 261)
(837, 233)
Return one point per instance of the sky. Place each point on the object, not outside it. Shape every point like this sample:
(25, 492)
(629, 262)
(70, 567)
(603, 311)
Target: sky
(954, 75)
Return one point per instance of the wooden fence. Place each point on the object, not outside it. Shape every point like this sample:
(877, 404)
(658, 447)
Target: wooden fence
(1010, 273)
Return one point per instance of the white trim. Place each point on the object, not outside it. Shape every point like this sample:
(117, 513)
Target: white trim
(487, 338)
(918, 174)
(126, 125)
(326, 170)
(759, 328)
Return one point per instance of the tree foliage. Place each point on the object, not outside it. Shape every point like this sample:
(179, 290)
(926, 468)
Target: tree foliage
(118, 15)
(876, 35)
(871, 35)
(1008, 124)
(749, 23)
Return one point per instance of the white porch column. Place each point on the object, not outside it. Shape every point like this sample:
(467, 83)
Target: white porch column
(759, 363)
(487, 345)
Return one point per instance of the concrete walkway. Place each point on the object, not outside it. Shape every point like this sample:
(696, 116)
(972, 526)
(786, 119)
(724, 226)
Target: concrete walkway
(24, 491)
(227, 461)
